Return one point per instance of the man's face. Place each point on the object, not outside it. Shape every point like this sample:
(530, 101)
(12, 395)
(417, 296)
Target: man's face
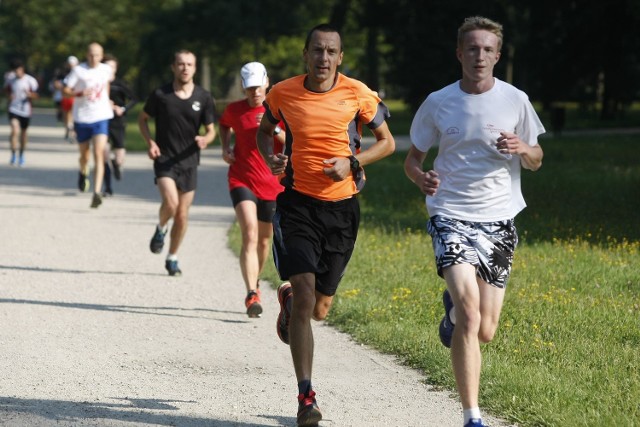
(19, 72)
(184, 67)
(114, 67)
(94, 55)
(478, 55)
(322, 57)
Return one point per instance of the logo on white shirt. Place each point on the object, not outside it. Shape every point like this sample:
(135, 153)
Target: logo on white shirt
(453, 131)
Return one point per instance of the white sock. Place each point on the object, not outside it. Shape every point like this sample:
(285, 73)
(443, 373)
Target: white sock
(172, 257)
(471, 413)
(452, 315)
(163, 229)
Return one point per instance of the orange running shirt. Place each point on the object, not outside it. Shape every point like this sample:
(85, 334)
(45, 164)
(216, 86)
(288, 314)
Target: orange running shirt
(321, 126)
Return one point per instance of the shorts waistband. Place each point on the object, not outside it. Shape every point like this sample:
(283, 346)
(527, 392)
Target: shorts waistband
(296, 195)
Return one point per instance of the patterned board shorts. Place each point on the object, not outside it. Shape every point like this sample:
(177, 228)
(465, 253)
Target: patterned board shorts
(489, 246)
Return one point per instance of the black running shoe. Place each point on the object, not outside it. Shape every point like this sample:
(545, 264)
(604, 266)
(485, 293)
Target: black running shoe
(172, 267)
(282, 323)
(117, 172)
(157, 241)
(96, 201)
(308, 412)
(83, 182)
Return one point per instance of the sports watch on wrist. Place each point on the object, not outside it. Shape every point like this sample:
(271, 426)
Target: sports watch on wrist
(355, 163)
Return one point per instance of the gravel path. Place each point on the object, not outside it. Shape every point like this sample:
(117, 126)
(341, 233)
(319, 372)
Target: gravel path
(94, 333)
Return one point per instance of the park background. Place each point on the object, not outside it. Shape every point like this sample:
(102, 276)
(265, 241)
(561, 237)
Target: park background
(566, 353)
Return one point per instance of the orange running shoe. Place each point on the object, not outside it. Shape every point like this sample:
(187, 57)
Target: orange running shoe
(252, 302)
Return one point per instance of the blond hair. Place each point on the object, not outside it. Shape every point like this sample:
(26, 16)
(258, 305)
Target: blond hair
(480, 23)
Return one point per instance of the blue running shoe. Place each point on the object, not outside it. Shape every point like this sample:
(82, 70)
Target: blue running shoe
(13, 160)
(172, 267)
(157, 241)
(21, 161)
(475, 422)
(446, 327)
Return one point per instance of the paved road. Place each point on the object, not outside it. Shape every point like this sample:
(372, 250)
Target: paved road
(94, 333)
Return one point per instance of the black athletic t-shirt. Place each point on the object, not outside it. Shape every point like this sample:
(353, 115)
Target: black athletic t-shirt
(178, 122)
(122, 96)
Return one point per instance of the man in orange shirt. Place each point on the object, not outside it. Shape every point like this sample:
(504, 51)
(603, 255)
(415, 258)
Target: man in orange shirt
(317, 215)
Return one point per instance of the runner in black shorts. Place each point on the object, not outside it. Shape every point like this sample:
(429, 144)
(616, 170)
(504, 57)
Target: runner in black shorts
(180, 108)
(317, 215)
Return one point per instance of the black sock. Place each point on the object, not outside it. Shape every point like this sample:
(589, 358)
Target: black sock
(304, 387)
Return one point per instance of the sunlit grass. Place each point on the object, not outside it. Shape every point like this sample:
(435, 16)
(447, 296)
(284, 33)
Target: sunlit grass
(567, 349)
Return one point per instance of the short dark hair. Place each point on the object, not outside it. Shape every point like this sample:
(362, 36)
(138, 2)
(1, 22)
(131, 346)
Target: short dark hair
(183, 52)
(15, 63)
(323, 28)
(109, 57)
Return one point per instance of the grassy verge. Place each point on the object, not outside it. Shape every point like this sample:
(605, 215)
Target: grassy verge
(566, 352)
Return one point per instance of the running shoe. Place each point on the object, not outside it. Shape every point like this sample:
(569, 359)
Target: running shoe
(475, 422)
(21, 161)
(96, 201)
(83, 180)
(117, 172)
(446, 327)
(157, 241)
(13, 160)
(308, 412)
(282, 323)
(252, 302)
(172, 267)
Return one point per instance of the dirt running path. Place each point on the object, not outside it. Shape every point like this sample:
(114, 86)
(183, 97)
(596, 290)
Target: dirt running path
(94, 333)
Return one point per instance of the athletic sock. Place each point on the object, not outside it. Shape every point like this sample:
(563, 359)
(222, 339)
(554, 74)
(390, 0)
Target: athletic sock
(172, 257)
(471, 413)
(162, 229)
(304, 387)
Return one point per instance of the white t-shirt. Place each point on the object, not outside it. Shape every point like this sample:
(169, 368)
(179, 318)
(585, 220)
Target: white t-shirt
(477, 183)
(96, 106)
(20, 103)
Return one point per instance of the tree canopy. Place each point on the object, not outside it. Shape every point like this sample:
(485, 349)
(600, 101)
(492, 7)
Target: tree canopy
(585, 51)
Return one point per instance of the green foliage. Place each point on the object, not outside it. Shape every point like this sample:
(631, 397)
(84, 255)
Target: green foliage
(566, 350)
(403, 47)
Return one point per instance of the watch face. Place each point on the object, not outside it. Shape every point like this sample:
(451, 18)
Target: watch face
(355, 164)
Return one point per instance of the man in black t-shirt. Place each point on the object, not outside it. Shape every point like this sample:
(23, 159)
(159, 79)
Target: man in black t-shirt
(179, 108)
(122, 101)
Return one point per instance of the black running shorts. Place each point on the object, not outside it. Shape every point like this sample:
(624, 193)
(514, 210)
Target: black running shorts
(314, 236)
(186, 178)
(266, 208)
(116, 136)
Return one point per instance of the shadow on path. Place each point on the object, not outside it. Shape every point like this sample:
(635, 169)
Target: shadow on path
(155, 311)
(129, 411)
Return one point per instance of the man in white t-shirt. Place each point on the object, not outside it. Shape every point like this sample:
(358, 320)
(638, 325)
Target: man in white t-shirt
(89, 84)
(21, 88)
(486, 130)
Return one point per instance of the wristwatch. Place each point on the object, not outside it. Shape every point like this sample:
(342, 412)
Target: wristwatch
(355, 163)
(277, 130)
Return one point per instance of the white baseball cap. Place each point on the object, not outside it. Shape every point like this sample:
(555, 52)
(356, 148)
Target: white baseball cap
(253, 74)
(72, 60)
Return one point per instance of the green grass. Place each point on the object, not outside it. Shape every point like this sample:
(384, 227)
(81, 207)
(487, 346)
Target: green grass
(566, 352)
